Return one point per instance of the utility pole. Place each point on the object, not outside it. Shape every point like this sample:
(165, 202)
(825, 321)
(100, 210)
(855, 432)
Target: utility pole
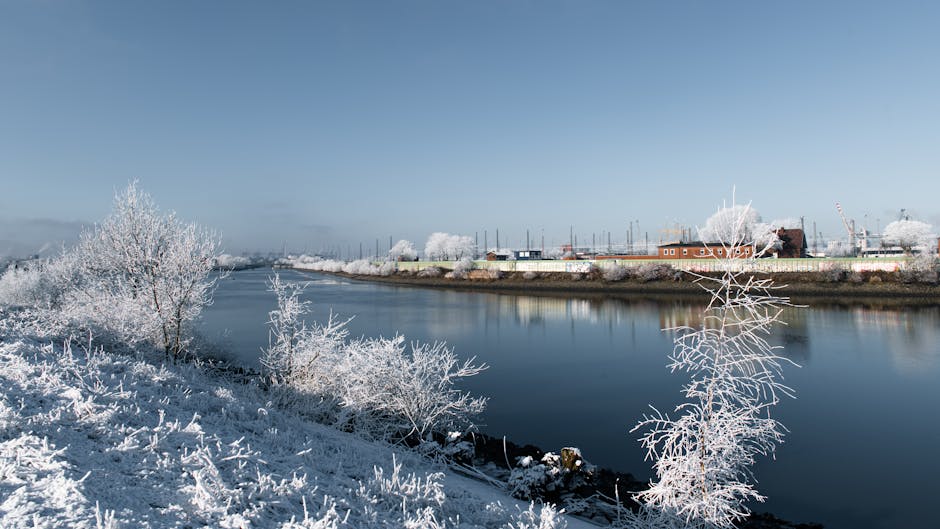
(497, 239)
(486, 246)
(527, 239)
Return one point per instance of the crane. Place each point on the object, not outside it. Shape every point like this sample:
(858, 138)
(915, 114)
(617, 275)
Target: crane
(903, 215)
(848, 228)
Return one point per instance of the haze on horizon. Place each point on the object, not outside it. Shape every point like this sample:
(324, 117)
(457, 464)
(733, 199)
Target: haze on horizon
(322, 124)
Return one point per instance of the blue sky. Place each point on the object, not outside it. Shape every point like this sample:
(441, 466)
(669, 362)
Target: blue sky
(333, 123)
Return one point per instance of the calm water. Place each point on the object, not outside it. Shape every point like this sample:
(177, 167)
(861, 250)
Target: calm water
(864, 432)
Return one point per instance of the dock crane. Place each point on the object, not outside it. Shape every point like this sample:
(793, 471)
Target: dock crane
(848, 228)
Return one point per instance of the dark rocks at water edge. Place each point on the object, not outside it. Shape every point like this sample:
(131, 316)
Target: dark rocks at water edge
(581, 488)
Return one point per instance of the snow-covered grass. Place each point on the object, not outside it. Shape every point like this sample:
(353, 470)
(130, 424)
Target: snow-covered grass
(95, 439)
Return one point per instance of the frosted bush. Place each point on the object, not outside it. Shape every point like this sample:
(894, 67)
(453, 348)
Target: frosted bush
(403, 391)
(431, 272)
(388, 268)
(463, 267)
(23, 287)
(530, 275)
(654, 272)
(380, 387)
(920, 269)
(614, 272)
(40, 284)
(361, 267)
(834, 273)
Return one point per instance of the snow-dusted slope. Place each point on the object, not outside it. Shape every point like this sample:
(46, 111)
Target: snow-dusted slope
(100, 440)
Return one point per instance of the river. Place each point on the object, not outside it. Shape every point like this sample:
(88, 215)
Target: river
(863, 431)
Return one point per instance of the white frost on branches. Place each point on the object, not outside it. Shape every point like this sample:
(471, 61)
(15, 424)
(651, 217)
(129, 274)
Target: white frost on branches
(139, 276)
(447, 247)
(703, 456)
(144, 262)
(731, 225)
(381, 387)
(403, 251)
(909, 233)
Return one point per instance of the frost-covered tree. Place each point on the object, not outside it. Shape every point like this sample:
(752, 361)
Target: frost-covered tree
(147, 270)
(704, 454)
(445, 247)
(403, 251)
(908, 233)
(731, 225)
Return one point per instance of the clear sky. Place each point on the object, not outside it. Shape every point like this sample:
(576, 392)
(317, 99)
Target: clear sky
(335, 123)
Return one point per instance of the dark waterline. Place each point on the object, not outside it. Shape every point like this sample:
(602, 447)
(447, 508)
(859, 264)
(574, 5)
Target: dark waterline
(580, 372)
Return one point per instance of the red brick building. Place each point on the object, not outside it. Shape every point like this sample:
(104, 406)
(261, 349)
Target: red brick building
(700, 250)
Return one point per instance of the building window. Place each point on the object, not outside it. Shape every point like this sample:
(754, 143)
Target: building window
(701, 251)
(685, 252)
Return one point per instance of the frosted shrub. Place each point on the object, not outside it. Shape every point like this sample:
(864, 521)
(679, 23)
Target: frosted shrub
(361, 267)
(920, 269)
(462, 268)
(431, 272)
(530, 275)
(41, 284)
(654, 272)
(388, 268)
(835, 273)
(22, 286)
(409, 390)
(494, 273)
(614, 272)
(380, 387)
(703, 456)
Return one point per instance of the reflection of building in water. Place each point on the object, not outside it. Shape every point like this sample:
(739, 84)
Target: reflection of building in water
(790, 333)
(911, 336)
(536, 310)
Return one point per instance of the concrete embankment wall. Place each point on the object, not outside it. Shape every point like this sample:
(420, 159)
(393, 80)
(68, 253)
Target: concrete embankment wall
(691, 265)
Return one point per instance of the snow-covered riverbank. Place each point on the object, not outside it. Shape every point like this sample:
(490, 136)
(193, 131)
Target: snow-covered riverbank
(89, 438)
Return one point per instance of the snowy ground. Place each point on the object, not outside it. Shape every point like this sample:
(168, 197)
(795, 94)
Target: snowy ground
(100, 440)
